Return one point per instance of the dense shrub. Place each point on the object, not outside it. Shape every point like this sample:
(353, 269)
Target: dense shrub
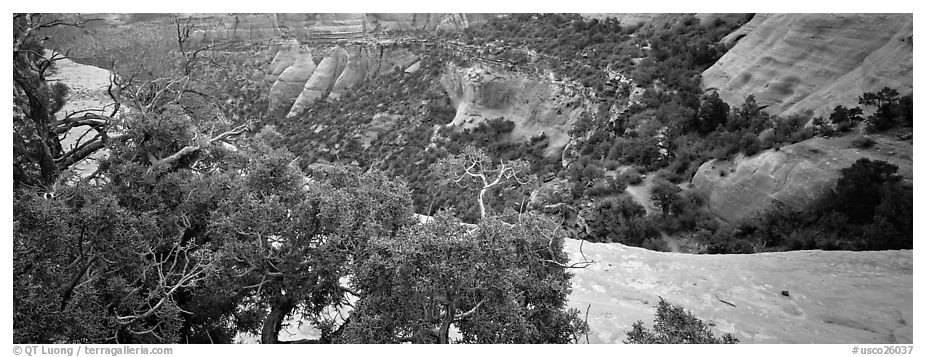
(673, 324)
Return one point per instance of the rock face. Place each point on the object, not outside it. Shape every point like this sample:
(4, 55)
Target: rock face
(290, 82)
(284, 57)
(296, 81)
(321, 27)
(833, 296)
(798, 62)
(370, 60)
(482, 92)
(797, 175)
(321, 81)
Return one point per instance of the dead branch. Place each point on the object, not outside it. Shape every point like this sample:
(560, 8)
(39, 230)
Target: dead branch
(189, 149)
(171, 279)
(724, 301)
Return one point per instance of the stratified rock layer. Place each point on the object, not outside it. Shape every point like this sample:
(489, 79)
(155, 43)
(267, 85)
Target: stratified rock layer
(833, 296)
(797, 175)
(798, 62)
(307, 27)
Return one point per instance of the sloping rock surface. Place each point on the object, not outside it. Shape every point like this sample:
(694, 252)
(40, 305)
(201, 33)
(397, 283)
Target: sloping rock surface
(798, 62)
(833, 296)
(797, 175)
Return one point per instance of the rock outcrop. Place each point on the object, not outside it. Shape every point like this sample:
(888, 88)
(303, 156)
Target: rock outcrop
(482, 92)
(798, 62)
(833, 297)
(291, 81)
(284, 57)
(796, 175)
(322, 80)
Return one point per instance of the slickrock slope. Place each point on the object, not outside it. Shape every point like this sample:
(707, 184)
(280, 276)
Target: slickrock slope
(535, 106)
(796, 175)
(834, 296)
(797, 62)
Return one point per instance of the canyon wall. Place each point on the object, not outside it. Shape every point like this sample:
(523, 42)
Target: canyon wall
(322, 27)
(482, 92)
(296, 81)
(798, 62)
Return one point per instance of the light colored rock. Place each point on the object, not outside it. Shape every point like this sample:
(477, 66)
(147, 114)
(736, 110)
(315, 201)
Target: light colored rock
(797, 62)
(291, 81)
(370, 60)
(797, 175)
(835, 296)
(535, 105)
(322, 80)
(283, 59)
(414, 67)
(308, 27)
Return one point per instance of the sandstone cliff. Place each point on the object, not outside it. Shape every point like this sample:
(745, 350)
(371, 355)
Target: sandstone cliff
(290, 82)
(309, 27)
(322, 80)
(535, 105)
(797, 175)
(797, 62)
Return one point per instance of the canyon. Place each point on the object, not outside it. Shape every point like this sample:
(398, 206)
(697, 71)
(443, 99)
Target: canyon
(790, 63)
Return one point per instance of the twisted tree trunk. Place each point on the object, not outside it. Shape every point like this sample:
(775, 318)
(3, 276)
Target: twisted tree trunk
(271, 329)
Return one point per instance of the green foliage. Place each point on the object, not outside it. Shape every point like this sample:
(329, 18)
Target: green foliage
(891, 109)
(842, 114)
(621, 220)
(862, 142)
(870, 208)
(712, 114)
(495, 282)
(664, 195)
(675, 325)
